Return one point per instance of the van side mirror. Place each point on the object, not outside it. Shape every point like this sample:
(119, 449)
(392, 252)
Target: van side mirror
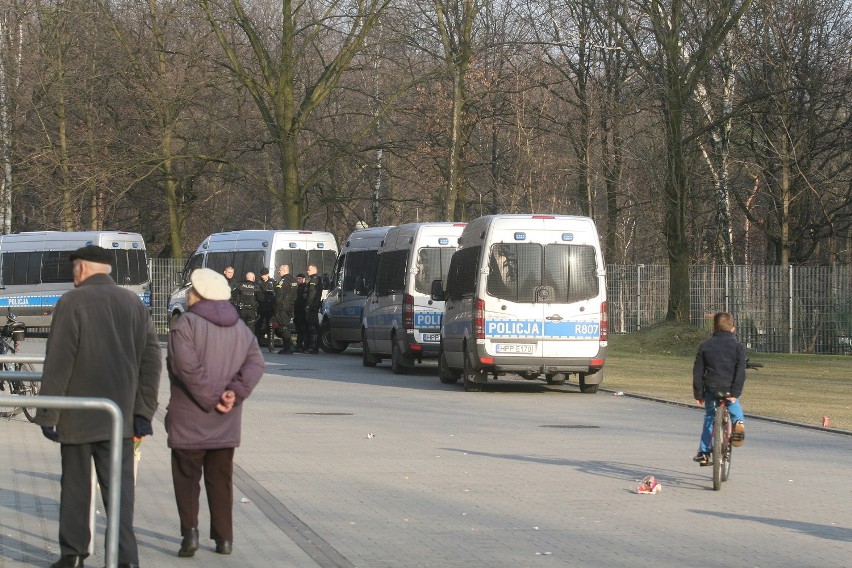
(438, 293)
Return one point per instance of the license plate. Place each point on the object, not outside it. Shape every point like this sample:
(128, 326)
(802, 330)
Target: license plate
(431, 337)
(521, 348)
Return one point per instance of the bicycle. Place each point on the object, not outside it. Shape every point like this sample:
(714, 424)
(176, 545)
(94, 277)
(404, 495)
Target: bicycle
(11, 335)
(722, 449)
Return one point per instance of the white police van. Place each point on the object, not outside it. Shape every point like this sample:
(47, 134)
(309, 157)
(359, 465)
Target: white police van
(253, 250)
(354, 277)
(35, 269)
(525, 295)
(400, 319)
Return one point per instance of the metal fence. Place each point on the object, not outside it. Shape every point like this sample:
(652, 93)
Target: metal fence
(800, 310)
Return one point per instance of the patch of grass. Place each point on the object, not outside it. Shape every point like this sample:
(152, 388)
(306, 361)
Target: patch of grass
(804, 388)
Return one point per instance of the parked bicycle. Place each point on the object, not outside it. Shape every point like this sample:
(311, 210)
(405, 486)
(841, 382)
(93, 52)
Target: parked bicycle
(722, 448)
(11, 335)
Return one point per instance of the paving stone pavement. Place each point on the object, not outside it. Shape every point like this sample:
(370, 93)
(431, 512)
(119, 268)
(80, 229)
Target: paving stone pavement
(345, 466)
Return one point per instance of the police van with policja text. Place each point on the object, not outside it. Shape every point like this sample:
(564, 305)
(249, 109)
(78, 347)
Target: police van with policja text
(354, 277)
(252, 250)
(400, 320)
(525, 295)
(35, 269)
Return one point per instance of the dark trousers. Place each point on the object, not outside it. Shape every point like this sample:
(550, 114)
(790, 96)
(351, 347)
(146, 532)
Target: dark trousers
(217, 467)
(300, 320)
(312, 317)
(76, 494)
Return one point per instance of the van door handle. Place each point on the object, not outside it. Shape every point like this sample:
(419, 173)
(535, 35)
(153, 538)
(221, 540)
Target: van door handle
(554, 317)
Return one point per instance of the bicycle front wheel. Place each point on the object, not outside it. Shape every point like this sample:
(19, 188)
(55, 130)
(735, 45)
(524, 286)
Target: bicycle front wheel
(718, 441)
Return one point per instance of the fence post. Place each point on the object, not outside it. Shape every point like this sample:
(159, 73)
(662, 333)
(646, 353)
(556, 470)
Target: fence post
(639, 296)
(790, 309)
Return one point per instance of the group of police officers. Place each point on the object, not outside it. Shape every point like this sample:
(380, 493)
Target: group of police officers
(267, 306)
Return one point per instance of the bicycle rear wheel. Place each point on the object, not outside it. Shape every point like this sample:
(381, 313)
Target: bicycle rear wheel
(28, 388)
(718, 441)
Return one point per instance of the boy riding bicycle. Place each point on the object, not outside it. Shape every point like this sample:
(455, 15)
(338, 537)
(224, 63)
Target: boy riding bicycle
(719, 367)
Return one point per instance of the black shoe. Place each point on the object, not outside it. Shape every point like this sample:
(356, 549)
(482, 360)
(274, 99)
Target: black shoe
(702, 458)
(285, 352)
(312, 351)
(223, 546)
(69, 561)
(189, 544)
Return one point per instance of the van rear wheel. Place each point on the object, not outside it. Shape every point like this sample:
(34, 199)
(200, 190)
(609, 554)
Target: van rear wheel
(399, 362)
(471, 376)
(367, 358)
(589, 382)
(448, 376)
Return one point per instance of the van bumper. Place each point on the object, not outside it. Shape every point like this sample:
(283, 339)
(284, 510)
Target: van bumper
(421, 350)
(547, 366)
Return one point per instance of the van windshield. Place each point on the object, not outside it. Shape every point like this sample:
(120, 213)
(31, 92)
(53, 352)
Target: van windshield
(530, 272)
(432, 264)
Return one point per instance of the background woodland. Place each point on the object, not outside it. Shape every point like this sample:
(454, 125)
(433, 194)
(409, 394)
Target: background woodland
(692, 131)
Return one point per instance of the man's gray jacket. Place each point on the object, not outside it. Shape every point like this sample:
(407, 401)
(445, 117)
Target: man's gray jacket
(102, 343)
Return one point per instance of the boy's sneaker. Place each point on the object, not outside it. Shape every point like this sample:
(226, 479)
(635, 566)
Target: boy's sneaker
(738, 434)
(702, 458)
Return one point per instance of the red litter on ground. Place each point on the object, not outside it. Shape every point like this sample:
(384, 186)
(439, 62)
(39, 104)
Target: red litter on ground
(825, 421)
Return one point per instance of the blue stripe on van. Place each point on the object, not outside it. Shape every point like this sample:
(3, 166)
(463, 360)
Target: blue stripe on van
(427, 319)
(47, 301)
(550, 330)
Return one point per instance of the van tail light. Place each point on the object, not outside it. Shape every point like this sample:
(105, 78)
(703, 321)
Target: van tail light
(408, 312)
(479, 318)
(604, 323)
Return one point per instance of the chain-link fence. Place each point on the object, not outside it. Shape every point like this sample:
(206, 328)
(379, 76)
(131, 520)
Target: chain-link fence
(800, 310)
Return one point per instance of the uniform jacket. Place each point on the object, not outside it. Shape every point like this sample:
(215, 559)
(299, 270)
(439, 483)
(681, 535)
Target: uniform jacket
(210, 350)
(285, 299)
(247, 297)
(313, 292)
(265, 296)
(719, 366)
(102, 343)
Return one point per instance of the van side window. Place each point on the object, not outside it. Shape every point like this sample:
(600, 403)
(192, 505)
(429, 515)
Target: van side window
(56, 267)
(361, 265)
(247, 261)
(432, 264)
(461, 277)
(572, 272)
(323, 259)
(296, 259)
(390, 275)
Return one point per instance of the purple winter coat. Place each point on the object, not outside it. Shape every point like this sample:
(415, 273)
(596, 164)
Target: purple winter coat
(210, 350)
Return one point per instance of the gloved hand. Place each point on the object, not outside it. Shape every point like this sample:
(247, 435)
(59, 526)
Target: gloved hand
(142, 427)
(50, 433)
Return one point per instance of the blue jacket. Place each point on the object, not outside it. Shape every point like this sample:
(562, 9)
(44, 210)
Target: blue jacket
(719, 366)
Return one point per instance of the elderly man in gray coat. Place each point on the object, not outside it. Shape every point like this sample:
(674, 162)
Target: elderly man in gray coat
(102, 343)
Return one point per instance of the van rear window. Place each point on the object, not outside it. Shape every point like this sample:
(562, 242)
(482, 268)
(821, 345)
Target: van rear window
(530, 272)
(431, 264)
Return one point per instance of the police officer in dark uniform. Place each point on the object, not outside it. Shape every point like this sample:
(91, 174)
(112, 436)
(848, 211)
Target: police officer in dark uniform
(246, 293)
(265, 307)
(299, 315)
(313, 299)
(285, 299)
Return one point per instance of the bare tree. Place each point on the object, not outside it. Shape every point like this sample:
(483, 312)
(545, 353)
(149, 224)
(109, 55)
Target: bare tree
(670, 43)
(334, 32)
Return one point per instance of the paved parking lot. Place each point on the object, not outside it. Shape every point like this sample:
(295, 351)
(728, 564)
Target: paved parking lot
(347, 466)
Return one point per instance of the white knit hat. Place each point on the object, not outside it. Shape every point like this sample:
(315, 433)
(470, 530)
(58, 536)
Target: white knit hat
(209, 284)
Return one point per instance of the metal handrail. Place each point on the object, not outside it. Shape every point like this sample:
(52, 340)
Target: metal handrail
(87, 403)
(20, 375)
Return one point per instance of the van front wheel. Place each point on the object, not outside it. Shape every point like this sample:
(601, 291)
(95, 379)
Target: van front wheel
(471, 376)
(328, 344)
